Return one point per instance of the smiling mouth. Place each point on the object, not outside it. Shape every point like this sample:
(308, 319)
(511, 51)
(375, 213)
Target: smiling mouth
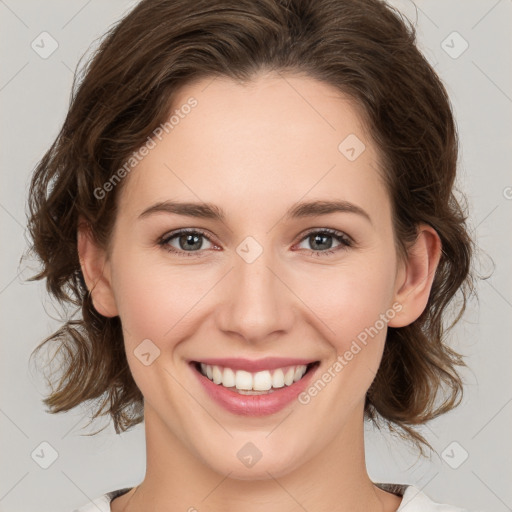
(254, 383)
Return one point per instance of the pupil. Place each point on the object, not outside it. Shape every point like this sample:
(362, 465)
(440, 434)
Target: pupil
(194, 239)
(321, 237)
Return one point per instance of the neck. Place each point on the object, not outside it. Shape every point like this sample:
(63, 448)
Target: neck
(334, 480)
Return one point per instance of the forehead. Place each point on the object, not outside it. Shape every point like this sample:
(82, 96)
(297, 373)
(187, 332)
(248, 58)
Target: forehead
(282, 137)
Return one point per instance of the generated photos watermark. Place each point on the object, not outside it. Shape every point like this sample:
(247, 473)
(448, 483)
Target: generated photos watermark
(343, 359)
(143, 151)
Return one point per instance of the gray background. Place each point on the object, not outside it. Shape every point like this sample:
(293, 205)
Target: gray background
(34, 95)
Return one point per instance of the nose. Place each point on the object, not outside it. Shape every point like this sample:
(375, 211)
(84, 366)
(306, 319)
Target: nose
(256, 303)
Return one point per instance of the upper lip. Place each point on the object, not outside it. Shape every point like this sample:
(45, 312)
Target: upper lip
(255, 365)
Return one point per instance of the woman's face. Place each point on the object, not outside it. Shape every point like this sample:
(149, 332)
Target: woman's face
(247, 293)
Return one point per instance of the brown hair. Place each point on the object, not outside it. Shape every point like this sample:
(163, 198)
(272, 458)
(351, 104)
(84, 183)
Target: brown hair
(364, 48)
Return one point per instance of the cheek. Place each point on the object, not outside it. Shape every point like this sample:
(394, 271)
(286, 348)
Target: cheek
(157, 301)
(354, 303)
(149, 300)
(160, 301)
(153, 303)
(352, 298)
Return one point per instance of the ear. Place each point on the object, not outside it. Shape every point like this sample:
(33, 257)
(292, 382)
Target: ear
(96, 271)
(416, 275)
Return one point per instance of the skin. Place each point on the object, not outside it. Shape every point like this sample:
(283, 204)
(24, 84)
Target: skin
(259, 147)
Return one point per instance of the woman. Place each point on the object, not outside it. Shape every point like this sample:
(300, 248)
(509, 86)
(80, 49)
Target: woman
(251, 202)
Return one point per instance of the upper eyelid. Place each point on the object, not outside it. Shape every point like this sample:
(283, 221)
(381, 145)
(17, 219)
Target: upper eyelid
(172, 234)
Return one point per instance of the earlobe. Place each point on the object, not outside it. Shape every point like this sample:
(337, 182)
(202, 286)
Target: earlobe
(414, 283)
(96, 271)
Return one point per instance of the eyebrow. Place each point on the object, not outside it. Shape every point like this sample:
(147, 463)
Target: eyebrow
(211, 211)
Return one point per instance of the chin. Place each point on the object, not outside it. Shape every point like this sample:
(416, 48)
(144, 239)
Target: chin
(239, 466)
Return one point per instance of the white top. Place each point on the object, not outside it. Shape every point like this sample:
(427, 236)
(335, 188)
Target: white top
(413, 500)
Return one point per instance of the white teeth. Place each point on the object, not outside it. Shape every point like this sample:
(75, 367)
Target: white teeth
(251, 392)
(299, 372)
(228, 378)
(278, 378)
(253, 383)
(217, 375)
(288, 376)
(262, 381)
(243, 380)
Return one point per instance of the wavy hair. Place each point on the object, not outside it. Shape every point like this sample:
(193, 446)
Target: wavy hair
(364, 48)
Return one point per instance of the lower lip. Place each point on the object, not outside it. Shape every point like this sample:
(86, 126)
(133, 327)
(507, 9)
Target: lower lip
(254, 405)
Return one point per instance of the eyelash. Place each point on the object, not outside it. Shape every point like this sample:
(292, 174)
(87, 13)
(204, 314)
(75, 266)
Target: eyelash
(344, 239)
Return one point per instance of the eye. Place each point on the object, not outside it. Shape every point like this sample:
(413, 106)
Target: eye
(321, 241)
(191, 241)
(188, 241)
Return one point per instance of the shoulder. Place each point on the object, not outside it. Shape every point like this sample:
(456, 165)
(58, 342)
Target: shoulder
(415, 500)
(102, 504)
